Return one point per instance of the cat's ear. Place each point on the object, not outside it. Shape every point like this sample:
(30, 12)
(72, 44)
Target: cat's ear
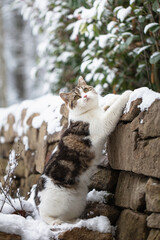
(81, 82)
(65, 97)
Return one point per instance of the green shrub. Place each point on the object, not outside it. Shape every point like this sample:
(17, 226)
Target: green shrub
(113, 44)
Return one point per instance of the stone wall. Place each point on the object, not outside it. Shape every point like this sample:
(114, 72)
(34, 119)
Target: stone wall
(134, 151)
(132, 177)
(33, 149)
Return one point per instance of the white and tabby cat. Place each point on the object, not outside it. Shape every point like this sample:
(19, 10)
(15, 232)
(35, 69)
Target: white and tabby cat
(61, 190)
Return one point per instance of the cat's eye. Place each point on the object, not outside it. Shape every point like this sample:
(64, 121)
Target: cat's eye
(85, 90)
(77, 97)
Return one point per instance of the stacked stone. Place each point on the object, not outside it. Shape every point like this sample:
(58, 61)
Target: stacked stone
(134, 150)
(132, 177)
(31, 161)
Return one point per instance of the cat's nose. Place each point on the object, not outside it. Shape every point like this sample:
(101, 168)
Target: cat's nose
(85, 96)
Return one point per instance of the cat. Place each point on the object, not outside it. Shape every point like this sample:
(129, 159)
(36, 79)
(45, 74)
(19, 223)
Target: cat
(61, 191)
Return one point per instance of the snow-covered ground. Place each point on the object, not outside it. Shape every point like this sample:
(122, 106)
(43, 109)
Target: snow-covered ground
(32, 227)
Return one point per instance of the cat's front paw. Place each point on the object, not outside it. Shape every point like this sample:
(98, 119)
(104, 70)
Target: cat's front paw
(126, 95)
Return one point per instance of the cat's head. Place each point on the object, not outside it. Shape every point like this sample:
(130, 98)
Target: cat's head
(82, 98)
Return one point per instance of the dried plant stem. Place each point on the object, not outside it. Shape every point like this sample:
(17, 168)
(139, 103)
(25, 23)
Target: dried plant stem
(8, 182)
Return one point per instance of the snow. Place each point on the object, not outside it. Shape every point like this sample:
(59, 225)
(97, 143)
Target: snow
(37, 230)
(155, 54)
(148, 97)
(148, 26)
(42, 5)
(97, 196)
(84, 65)
(103, 39)
(111, 25)
(123, 13)
(2, 139)
(32, 227)
(76, 27)
(100, 224)
(48, 108)
(12, 163)
(95, 64)
(141, 49)
(88, 14)
(141, 121)
(131, 2)
(64, 56)
(25, 142)
(27, 228)
(85, 17)
(17, 204)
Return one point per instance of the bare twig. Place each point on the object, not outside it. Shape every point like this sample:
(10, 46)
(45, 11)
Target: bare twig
(8, 180)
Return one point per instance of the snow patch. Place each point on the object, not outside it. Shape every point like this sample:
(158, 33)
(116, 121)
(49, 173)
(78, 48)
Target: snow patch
(123, 13)
(148, 26)
(103, 39)
(97, 196)
(32, 227)
(100, 224)
(148, 97)
(25, 142)
(48, 108)
(27, 228)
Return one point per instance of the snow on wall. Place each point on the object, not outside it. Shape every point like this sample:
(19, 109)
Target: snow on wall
(48, 108)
